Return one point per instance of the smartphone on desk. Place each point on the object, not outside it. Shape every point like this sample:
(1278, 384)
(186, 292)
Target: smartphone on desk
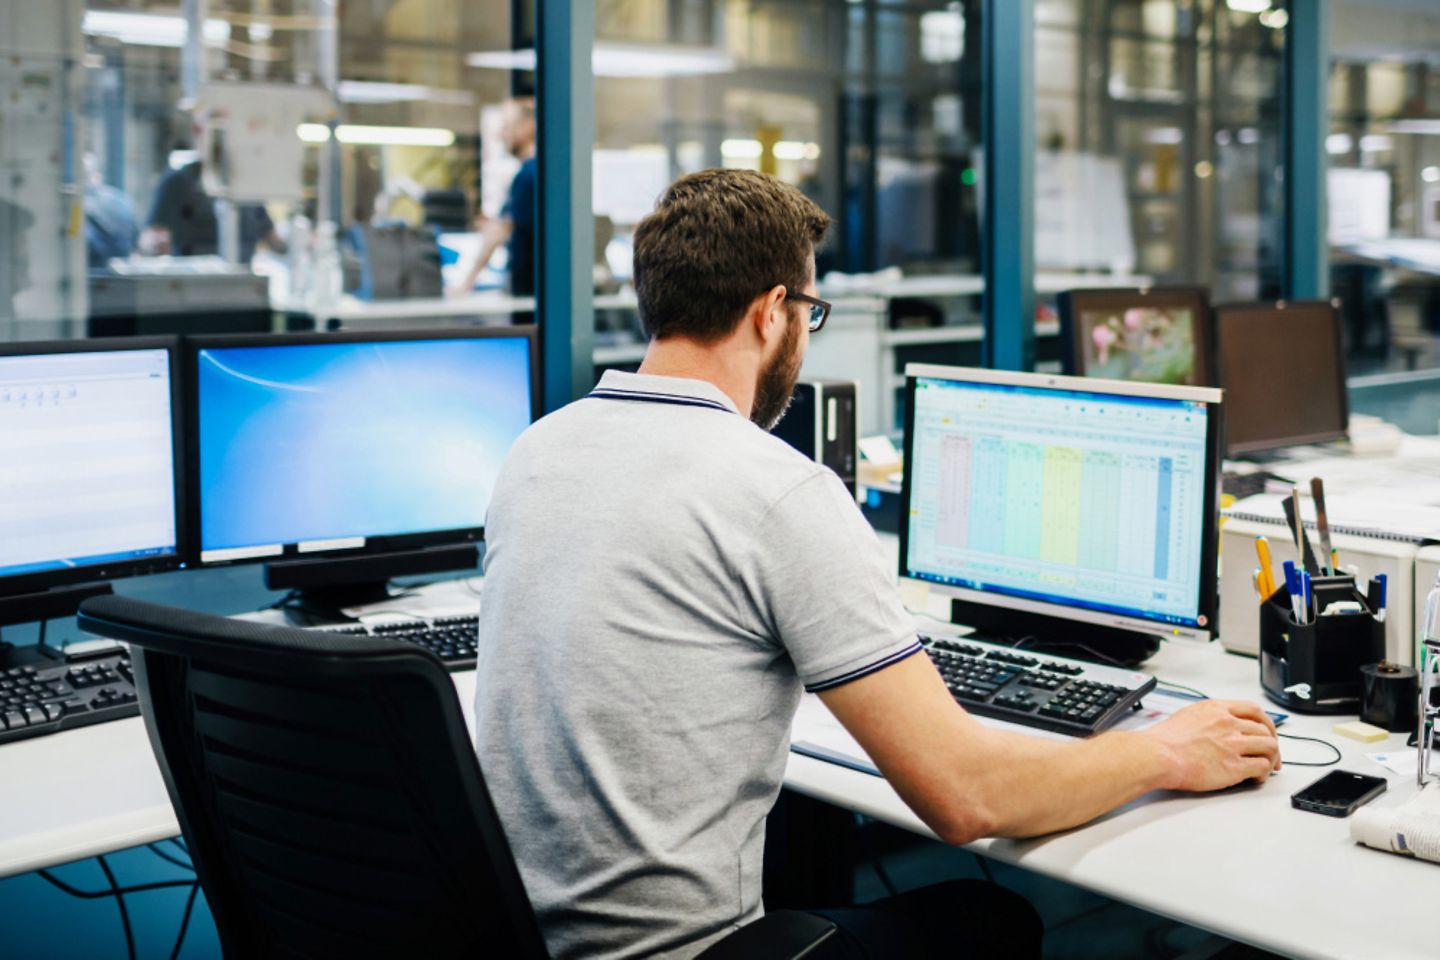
(1338, 793)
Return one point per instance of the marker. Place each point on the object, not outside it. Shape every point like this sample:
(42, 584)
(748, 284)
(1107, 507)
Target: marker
(1322, 523)
(1384, 582)
(1267, 577)
(1309, 596)
(1292, 586)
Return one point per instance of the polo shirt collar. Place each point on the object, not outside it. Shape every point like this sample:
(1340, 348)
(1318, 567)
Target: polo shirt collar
(643, 387)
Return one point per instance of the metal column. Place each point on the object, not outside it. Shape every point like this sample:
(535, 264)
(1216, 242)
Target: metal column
(565, 254)
(1007, 253)
(1306, 120)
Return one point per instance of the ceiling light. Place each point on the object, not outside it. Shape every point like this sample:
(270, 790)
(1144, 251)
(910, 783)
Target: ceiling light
(623, 60)
(373, 91)
(377, 136)
(1430, 174)
(1248, 6)
(1376, 143)
(1275, 19)
(1338, 143)
(1421, 126)
(149, 29)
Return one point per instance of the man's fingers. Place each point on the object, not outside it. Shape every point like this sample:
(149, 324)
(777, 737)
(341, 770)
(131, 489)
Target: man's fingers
(1246, 710)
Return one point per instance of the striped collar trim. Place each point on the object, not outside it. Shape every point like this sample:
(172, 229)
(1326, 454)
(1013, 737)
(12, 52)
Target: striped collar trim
(645, 388)
(640, 396)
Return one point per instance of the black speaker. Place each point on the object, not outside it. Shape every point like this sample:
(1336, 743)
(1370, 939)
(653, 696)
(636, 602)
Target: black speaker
(821, 423)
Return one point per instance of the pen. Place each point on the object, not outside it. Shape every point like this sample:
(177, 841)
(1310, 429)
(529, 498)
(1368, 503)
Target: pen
(1322, 523)
(1309, 597)
(1267, 577)
(1384, 582)
(1292, 586)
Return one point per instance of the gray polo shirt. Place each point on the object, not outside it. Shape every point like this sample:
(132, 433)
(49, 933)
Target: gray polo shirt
(661, 578)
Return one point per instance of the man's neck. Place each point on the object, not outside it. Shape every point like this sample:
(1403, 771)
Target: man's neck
(681, 357)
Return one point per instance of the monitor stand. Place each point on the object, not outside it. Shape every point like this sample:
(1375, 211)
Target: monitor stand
(1063, 638)
(39, 607)
(324, 587)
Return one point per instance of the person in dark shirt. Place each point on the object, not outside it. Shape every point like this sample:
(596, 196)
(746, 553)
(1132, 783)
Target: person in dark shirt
(516, 225)
(182, 220)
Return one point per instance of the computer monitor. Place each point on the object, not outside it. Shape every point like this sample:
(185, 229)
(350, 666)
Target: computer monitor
(344, 459)
(88, 469)
(1283, 369)
(1152, 335)
(1073, 514)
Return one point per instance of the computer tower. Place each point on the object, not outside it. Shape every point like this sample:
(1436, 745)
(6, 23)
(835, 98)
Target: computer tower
(821, 423)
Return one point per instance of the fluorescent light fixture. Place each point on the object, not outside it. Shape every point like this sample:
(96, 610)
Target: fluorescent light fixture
(1164, 135)
(1376, 143)
(377, 136)
(1248, 6)
(1275, 19)
(1248, 135)
(1338, 143)
(1421, 126)
(149, 29)
(623, 60)
(784, 150)
(374, 91)
(1430, 174)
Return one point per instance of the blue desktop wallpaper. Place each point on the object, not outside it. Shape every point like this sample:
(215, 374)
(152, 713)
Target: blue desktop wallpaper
(321, 441)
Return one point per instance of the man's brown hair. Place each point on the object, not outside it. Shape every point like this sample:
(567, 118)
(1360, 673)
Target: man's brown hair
(717, 240)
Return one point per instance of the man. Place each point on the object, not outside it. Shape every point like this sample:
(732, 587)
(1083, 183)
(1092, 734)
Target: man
(182, 220)
(516, 225)
(663, 576)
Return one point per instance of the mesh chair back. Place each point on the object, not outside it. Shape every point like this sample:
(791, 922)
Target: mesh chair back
(326, 787)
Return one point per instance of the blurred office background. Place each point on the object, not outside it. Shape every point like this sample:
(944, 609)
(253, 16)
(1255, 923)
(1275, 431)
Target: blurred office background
(338, 161)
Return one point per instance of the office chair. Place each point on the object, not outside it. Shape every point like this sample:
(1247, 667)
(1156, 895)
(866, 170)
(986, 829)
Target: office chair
(331, 799)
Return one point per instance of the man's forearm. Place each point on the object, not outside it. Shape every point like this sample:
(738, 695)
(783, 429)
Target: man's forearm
(1031, 786)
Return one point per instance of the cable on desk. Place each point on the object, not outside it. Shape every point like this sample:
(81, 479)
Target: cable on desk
(120, 904)
(1301, 763)
(184, 922)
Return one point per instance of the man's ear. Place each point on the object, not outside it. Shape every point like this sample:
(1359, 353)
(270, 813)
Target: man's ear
(768, 313)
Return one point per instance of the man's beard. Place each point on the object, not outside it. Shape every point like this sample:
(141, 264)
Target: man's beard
(776, 383)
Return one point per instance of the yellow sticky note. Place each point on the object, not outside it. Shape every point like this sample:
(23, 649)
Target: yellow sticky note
(1364, 732)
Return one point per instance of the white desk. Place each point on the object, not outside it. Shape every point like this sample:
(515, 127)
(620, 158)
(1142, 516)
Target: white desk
(1242, 864)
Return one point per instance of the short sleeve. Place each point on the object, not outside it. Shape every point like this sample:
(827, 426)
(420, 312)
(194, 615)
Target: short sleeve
(820, 583)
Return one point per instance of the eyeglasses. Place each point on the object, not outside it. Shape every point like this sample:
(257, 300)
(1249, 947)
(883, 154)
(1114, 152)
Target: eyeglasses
(819, 309)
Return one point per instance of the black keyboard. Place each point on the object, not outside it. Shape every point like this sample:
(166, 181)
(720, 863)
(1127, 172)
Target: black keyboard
(40, 694)
(452, 639)
(1036, 690)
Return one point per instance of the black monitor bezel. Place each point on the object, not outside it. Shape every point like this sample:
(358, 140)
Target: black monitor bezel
(1207, 615)
(1330, 309)
(16, 584)
(1072, 303)
(373, 545)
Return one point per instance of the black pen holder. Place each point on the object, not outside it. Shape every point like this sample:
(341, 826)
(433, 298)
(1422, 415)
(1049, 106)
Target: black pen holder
(1321, 658)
